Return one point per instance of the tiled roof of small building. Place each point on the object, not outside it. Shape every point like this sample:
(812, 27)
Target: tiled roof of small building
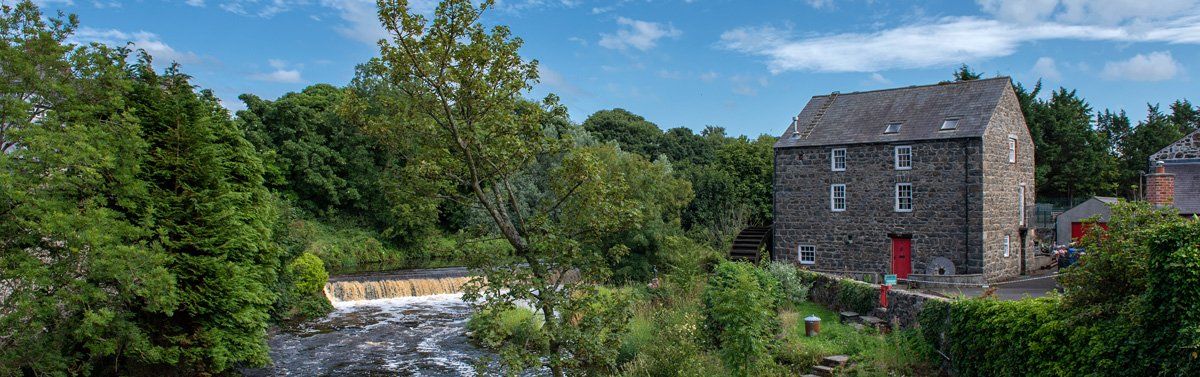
(861, 117)
(1187, 185)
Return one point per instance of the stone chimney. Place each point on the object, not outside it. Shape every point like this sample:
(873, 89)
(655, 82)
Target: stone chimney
(1160, 186)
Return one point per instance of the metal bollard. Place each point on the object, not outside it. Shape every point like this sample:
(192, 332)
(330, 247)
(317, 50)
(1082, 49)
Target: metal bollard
(812, 325)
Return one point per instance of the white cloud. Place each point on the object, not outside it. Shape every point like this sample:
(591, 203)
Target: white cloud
(195, 3)
(877, 78)
(282, 73)
(161, 51)
(818, 4)
(1157, 66)
(556, 80)
(1019, 10)
(747, 85)
(940, 42)
(641, 35)
(1046, 68)
(709, 76)
(1101, 12)
(361, 18)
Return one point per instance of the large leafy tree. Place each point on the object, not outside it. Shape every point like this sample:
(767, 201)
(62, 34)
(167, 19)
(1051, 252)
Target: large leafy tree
(633, 132)
(133, 224)
(1073, 158)
(210, 215)
(35, 66)
(479, 137)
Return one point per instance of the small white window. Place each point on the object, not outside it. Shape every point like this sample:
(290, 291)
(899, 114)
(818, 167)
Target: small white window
(904, 197)
(837, 159)
(1006, 246)
(1012, 148)
(903, 157)
(808, 254)
(949, 124)
(837, 197)
(892, 128)
(1021, 203)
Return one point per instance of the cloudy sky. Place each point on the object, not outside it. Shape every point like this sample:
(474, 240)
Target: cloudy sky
(747, 66)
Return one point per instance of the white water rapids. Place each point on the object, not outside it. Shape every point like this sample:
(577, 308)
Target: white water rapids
(403, 336)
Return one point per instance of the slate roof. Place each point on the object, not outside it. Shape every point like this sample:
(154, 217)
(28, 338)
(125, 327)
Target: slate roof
(861, 117)
(1187, 185)
(1106, 200)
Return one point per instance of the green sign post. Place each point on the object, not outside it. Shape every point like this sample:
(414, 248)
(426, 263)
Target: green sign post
(889, 279)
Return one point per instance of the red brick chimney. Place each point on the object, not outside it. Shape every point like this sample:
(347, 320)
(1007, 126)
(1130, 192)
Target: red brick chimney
(1160, 186)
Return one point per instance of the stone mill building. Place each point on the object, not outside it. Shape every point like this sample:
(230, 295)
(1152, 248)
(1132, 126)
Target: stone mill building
(929, 180)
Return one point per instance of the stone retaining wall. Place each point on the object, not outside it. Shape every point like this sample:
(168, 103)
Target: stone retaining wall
(903, 306)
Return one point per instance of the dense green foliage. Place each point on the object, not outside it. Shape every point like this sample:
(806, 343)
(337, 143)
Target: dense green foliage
(137, 229)
(1129, 308)
(731, 176)
(739, 307)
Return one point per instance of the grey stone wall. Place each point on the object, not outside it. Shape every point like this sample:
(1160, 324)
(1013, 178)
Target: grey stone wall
(1182, 149)
(1001, 183)
(946, 220)
(904, 307)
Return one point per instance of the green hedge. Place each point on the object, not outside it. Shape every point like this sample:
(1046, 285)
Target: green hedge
(1154, 333)
(739, 307)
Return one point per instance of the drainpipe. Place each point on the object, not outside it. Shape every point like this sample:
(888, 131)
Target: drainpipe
(774, 203)
(966, 207)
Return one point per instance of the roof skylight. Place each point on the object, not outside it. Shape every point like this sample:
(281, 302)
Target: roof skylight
(892, 128)
(949, 124)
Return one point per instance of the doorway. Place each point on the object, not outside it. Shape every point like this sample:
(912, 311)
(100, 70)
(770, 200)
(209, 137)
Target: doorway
(901, 256)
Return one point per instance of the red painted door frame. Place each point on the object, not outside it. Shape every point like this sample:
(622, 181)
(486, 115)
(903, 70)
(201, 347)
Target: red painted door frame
(901, 256)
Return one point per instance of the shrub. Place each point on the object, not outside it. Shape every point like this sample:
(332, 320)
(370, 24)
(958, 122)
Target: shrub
(739, 305)
(666, 341)
(792, 287)
(302, 290)
(857, 296)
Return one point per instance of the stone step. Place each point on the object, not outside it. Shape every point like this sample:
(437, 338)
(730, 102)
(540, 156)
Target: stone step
(835, 361)
(848, 316)
(870, 320)
(822, 371)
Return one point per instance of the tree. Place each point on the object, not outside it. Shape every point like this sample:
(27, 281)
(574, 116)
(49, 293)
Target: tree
(35, 64)
(1072, 157)
(1185, 116)
(210, 217)
(465, 84)
(965, 73)
(631, 131)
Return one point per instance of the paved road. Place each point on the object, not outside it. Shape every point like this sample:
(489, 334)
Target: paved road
(1011, 291)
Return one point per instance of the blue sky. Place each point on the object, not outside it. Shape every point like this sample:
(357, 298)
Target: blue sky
(747, 66)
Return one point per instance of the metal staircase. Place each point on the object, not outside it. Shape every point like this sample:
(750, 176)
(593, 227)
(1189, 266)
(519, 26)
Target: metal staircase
(812, 124)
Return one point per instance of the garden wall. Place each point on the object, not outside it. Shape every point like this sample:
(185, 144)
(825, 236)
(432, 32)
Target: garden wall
(843, 294)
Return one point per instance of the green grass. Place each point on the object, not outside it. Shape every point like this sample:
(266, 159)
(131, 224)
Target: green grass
(898, 353)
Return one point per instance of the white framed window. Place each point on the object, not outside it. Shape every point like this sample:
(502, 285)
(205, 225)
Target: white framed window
(807, 254)
(837, 197)
(1012, 148)
(903, 157)
(1006, 247)
(892, 128)
(837, 159)
(904, 197)
(949, 124)
(1021, 203)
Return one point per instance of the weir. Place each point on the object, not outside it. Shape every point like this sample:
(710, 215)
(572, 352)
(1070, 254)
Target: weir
(396, 284)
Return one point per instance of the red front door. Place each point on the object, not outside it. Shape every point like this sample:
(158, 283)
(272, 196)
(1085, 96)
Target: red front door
(901, 257)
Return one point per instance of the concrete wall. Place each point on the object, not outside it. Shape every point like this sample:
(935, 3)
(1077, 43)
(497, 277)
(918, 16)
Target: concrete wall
(1001, 182)
(947, 205)
(1092, 207)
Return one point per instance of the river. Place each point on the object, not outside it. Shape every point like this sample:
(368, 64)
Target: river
(401, 336)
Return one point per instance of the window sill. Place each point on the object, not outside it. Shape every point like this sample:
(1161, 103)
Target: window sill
(808, 262)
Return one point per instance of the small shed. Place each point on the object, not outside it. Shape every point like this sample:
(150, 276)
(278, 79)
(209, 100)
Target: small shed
(1070, 224)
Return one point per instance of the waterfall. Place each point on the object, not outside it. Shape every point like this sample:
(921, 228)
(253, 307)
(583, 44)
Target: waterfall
(351, 290)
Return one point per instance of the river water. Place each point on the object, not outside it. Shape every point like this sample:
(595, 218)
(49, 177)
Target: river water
(403, 336)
